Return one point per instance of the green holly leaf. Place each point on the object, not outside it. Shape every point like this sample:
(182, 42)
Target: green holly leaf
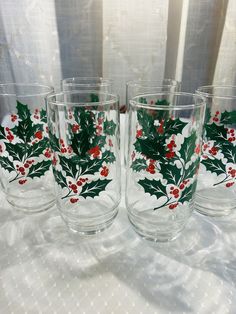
(174, 126)
(16, 151)
(25, 130)
(93, 188)
(59, 178)
(139, 164)
(6, 164)
(22, 111)
(170, 172)
(43, 116)
(39, 169)
(229, 151)
(2, 133)
(80, 143)
(191, 170)
(94, 98)
(151, 148)
(188, 192)
(54, 142)
(146, 121)
(214, 165)
(188, 147)
(108, 157)
(91, 166)
(228, 117)
(109, 127)
(207, 115)
(153, 187)
(99, 141)
(216, 132)
(68, 166)
(37, 149)
(85, 119)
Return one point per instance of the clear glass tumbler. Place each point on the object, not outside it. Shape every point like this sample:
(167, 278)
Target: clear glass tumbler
(165, 132)
(216, 190)
(25, 157)
(98, 84)
(84, 137)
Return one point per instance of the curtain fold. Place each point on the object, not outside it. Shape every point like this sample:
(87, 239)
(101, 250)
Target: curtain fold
(45, 41)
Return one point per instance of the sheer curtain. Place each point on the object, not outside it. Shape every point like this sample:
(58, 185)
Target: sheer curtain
(47, 40)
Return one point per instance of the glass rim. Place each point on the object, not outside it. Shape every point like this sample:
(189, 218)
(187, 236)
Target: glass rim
(160, 85)
(114, 99)
(49, 89)
(69, 81)
(172, 107)
(211, 95)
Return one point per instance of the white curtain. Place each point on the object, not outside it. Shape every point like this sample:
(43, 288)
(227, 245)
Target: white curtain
(47, 40)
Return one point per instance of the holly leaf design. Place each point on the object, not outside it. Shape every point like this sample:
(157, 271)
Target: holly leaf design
(207, 115)
(191, 170)
(109, 127)
(25, 130)
(59, 178)
(91, 166)
(68, 166)
(80, 143)
(151, 148)
(187, 193)
(54, 142)
(229, 151)
(99, 141)
(22, 111)
(108, 157)
(39, 169)
(93, 188)
(214, 165)
(16, 151)
(174, 126)
(146, 120)
(43, 116)
(228, 117)
(2, 133)
(170, 172)
(37, 149)
(216, 132)
(6, 164)
(139, 164)
(153, 187)
(188, 147)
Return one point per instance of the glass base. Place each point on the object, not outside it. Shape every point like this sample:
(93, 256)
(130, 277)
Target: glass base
(156, 236)
(214, 206)
(30, 210)
(90, 226)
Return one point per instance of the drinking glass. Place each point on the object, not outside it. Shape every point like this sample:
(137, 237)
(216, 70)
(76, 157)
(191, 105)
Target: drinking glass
(25, 157)
(216, 191)
(165, 132)
(84, 137)
(98, 84)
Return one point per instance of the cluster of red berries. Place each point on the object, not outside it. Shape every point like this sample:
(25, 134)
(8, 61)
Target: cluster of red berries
(139, 133)
(10, 136)
(172, 206)
(160, 128)
(65, 149)
(104, 172)
(75, 128)
(36, 114)
(73, 200)
(174, 191)
(98, 130)
(151, 167)
(229, 184)
(22, 169)
(48, 153)
(213, 151)
(216, 117)
(13, 117)
(170, 154)
(22, 181)
(38, 135)
(94, 151)
(74, 188)
(231, 135)
(232, 172)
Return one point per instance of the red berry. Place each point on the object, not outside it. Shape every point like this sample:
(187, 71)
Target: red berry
(228, 185)
(39, 135)
(21, 169)
(176, 195)
(73, 187)
(7, 129)
(171, 206)
(175, 191)
(151, 167)
(172, 188)
(22, 181)
(74, 200)
(230, 139)
(26, 165)
(181, 186)
(79, 183)
(232, 131)
(217, 112)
